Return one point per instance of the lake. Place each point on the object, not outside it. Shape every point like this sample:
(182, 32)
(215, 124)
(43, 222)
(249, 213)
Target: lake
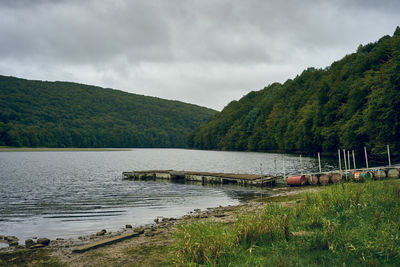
(72, 193)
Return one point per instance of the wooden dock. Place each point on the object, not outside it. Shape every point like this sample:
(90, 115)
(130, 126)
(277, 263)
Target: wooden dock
(202, 177)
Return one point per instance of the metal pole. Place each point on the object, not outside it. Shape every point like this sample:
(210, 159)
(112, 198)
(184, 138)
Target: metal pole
(301, 164)
(340, 163)
(366, 157)
(390, 164)
(344, 159)
(319, 163)
(348, 159)
(284, 171)
(354, 160)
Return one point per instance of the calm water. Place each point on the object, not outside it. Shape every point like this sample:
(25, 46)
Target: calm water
(67, 194)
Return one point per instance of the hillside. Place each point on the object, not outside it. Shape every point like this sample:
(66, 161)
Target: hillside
(352, 103)
(63, 114)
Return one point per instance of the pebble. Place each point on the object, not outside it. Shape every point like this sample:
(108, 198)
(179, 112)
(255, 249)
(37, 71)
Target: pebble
(29, 243)
(44, 241)
(102, 232)
(128, 226)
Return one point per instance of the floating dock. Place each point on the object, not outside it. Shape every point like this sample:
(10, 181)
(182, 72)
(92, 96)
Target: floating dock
(203, 177)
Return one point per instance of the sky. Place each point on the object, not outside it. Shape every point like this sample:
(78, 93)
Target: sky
(204, 52)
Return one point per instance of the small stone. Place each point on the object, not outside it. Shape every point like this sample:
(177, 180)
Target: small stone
(164, 219)
(11, 238)
(29, 243)
(44, 241)
(172, 219)
(13, 243)
(1, 237)
(59, 239)
(128, 226)
(19, 247)
(156, 220)
(37, 246)
(102, 232)
(139, 231)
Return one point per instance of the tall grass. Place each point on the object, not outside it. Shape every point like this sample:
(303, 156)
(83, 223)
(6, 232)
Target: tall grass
(345, 224)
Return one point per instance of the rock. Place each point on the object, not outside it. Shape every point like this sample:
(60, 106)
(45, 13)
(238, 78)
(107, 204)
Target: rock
(139, 231)
(19, 247)
(197, 210)
(164, 220)
(29, 243)
(37, 246)
(11, 238)
(59, 239)
(156, 220)
(44, 241)
(1, 237)
(172, 219)
(102, 232)
(13, 243)
(128, 226)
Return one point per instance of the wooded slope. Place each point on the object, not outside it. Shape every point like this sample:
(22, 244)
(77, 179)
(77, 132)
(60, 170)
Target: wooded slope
(63, 114)
(352, 103)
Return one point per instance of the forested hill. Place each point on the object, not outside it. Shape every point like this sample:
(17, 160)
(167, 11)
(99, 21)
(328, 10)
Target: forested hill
(63, 114)
(352, 103)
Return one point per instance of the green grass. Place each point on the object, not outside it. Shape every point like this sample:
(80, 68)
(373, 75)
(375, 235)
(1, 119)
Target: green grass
(346, 224)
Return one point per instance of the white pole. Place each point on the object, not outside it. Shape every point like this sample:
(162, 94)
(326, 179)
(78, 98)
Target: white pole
(275, 167)
(340, 163)
(284, 171)
(344, 159)
(319, 163)
(366, 157)
(390, 164)
(301, 164)
(354, 160)
(348, 158)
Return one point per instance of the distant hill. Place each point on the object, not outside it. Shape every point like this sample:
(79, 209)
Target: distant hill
(352, 103)
(64, 114)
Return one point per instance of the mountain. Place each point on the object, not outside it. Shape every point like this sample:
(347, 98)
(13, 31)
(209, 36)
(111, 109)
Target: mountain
(64, 114)
(353, 103)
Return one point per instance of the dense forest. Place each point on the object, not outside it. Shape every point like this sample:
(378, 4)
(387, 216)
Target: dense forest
(62, 114)
(353, 103)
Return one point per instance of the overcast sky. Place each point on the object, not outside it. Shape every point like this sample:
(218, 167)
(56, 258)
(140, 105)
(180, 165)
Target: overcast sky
(202, 52)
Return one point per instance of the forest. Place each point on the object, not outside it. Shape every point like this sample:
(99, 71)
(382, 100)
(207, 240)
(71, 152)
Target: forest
(63, 114)
(352, 103)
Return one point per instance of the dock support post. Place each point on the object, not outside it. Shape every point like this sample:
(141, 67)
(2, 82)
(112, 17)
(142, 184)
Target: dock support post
(390, 164)
(344, 159)
(319, 163)
(354, 160)
(366, 157)
(348, 159)
(340, 163)
(276, 174)
(284, 171)
(301, 165)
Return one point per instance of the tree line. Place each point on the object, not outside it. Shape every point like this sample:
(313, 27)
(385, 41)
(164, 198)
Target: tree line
(353, 103)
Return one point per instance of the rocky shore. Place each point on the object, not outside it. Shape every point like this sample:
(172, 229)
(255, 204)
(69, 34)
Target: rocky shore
(139, 247)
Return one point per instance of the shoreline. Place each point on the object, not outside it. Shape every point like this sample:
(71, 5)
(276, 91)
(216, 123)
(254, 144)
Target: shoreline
(152, 236)
(55, 149)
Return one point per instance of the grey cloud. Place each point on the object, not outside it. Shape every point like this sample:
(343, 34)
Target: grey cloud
(184, 49)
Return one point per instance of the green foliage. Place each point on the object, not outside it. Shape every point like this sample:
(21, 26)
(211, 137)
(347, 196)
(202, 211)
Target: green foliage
(352, 103)
(61, 114)
(342, 225)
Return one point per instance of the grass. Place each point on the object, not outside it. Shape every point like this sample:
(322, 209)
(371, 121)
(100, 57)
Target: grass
(39, 257)
(40, 149)
(345, 224)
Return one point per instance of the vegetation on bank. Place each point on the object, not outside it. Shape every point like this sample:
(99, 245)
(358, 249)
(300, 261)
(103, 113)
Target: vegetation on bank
(345, 224)
(63, 114)
(352, 103)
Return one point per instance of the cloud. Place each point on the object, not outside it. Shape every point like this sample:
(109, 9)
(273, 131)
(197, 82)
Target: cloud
(204, 52)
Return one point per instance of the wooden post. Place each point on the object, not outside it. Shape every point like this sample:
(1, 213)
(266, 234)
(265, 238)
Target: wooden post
(390, 164)
(354, 160)
(275, 168)
(344, 159)
(340, 163)
(319, 163)
(348, 159)
(301, 165)
(366, 157)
